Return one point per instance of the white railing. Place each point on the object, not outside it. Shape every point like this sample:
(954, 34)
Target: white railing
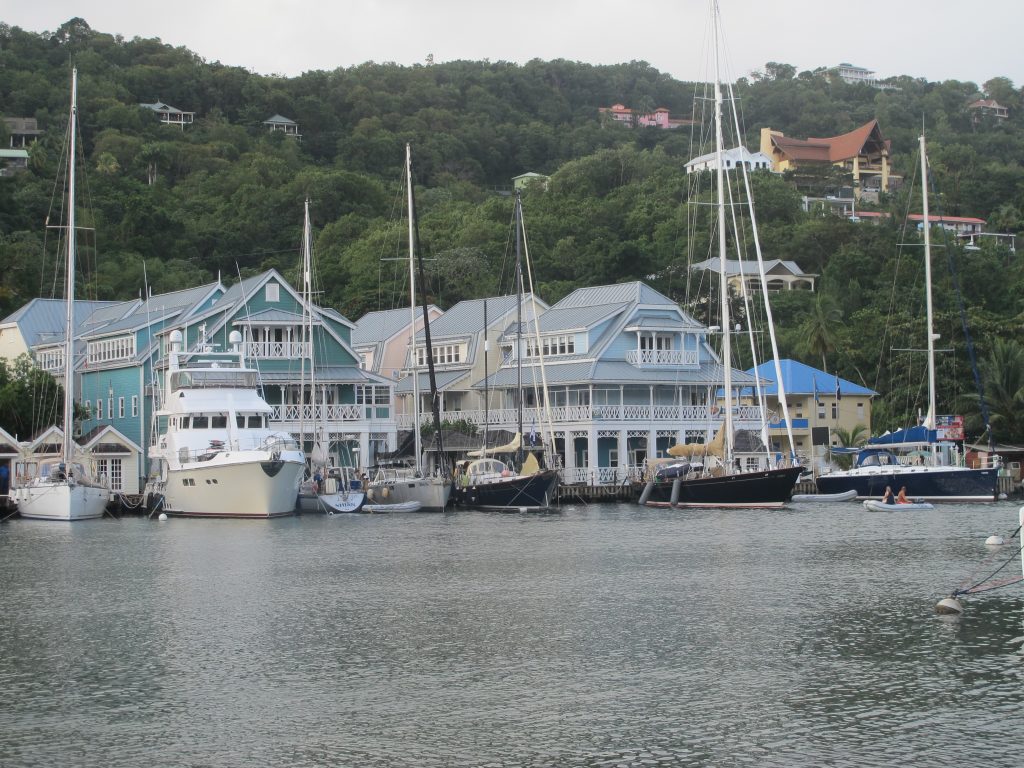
(320, 413)
(641, 357)
(503, 418)
(284, 350)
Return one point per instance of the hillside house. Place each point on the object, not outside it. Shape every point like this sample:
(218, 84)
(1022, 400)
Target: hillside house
(281, 124)
(170, 115)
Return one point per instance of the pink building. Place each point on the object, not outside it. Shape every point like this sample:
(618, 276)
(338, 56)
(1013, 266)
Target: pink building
(659, 118)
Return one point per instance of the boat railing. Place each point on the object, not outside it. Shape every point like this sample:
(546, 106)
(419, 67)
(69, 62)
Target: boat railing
(319, 413)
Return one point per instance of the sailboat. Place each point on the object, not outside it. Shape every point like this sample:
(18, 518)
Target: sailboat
(914, 458)
(403, 489)
(62, 488)
(485, 482)
(326, 490)
(717, 479)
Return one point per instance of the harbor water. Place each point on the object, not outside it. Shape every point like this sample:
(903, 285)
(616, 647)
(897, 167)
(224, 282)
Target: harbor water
(599, 635)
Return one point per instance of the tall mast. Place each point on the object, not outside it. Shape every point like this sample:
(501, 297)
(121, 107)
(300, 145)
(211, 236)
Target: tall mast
(519, 323)
(69, 279)
(930, 418)
(307, 333)
(412, 312)
(435, 395)
(723, 292)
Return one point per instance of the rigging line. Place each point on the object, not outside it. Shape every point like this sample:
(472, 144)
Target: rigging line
(974, 588)
(951, 263)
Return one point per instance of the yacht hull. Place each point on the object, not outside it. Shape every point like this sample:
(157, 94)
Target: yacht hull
(529, 492)
(769, 488)
(929, 483)
(433, 493)
(247, 488)
(61, 501)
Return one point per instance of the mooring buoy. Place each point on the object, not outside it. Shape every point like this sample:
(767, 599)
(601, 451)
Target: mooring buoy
(163, 516)
(995, 540)
(949, 605)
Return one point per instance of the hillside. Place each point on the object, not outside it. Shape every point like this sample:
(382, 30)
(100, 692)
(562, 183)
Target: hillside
(224, 196)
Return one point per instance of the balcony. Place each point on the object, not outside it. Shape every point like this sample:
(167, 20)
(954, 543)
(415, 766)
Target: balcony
(644, 358)
(278, 350)
(320, 413)
(663, 416)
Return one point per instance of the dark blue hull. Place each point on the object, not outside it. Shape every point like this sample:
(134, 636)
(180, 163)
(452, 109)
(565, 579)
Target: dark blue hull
(763, 488)
(931, 483)
(532, 492)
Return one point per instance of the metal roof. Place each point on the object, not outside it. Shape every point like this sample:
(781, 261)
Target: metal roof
(620, 293)
(801, 379)
(43, 319)
(444, 380)
(379, 326)
(467, 317)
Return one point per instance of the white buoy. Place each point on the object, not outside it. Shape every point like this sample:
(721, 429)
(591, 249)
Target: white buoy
(163, 516)
(995, 540)
(949, 605)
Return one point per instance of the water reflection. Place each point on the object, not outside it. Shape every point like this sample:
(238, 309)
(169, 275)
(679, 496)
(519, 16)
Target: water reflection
(602, 635)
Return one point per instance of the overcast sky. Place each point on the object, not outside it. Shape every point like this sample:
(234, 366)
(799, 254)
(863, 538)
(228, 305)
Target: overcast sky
(933, 39)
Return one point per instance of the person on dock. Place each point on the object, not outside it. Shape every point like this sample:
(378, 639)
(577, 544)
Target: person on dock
(901, 498)
(887, 497)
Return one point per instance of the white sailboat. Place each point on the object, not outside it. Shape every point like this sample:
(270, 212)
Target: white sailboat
(406, 486)
(913, 458)
(326, 489)
(62, 488)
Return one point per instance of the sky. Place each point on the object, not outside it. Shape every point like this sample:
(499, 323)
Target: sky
(933, 39)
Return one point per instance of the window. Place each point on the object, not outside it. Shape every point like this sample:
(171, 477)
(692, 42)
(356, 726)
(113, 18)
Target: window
(860, 410)
(371, 395)
(835, 411)
(273, 292)
(135, 405)
(443, 354)
(110, 407)
(219, 421)
(552, 345)
(200, 422)
(120, 407)
(106, 350)
(99, 409)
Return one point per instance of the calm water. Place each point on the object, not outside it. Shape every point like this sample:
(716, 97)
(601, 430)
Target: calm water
(601, 636)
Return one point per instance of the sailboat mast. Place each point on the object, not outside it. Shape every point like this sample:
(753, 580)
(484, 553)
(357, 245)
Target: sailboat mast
(723, 286)
(69, 280)
(519, 322)
(930, 419)
(307, 332)
(412, 311)
(435, 395)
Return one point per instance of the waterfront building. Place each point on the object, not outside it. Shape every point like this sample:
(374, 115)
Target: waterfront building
(121, 352)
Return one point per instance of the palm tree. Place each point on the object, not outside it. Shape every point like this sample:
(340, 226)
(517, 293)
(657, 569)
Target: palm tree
(854, 437)
(1003, 379)
(821, 328)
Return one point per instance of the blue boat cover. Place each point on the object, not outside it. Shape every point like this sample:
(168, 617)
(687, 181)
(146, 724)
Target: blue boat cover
(912, 435)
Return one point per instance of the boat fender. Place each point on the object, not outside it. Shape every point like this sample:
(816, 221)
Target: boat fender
(647, 492)
(949, 606)
(676, 488)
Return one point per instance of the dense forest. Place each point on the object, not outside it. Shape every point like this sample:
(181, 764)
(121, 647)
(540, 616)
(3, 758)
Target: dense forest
(173, 208)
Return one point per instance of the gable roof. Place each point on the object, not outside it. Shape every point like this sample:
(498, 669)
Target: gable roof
(279, 120)
(42, 320)
(635, 291)
(736, 267)
(381, 325)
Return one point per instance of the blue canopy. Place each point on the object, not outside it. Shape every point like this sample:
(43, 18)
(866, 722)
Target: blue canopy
(912, 435)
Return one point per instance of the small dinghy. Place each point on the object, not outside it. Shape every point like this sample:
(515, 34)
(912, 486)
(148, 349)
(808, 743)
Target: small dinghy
(878, 505)
(403, 506)
(843, 496)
